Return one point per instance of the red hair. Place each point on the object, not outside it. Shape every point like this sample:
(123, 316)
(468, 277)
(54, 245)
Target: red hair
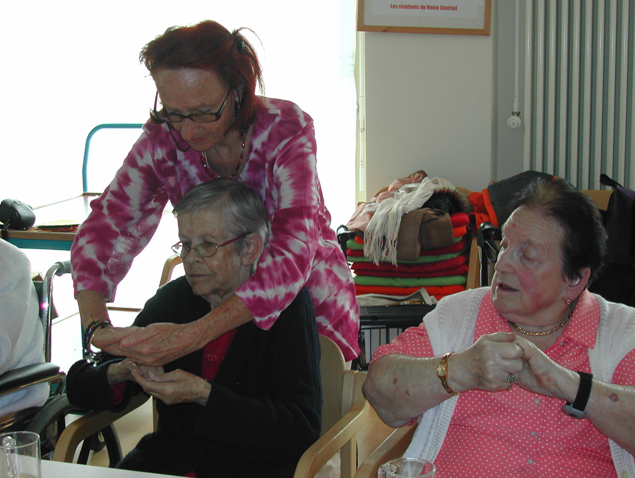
(210, 46)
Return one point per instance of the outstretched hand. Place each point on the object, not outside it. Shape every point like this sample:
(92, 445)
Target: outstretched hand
(108, 338)
(160, 343)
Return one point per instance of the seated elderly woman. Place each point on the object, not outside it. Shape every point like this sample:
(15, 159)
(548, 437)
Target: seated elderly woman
(249, 403)
(531, 377)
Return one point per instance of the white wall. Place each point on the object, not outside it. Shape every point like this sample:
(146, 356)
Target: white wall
(429, 105)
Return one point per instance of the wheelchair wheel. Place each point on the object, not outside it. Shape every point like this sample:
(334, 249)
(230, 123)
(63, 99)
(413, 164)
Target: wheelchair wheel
(50, 422)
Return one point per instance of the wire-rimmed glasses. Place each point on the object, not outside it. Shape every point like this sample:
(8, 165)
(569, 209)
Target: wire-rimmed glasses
(207, 249)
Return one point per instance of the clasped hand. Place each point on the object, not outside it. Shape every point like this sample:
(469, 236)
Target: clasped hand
(488, 363)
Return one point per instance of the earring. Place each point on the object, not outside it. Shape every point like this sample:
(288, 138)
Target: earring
(567, 301)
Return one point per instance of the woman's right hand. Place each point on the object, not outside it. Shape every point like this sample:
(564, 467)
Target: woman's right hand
(108, 339)
(486, 364)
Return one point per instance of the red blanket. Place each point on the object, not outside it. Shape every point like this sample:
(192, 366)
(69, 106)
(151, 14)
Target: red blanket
(458, 261)
(405, 291)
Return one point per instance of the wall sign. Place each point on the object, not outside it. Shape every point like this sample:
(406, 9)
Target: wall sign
(459, 17)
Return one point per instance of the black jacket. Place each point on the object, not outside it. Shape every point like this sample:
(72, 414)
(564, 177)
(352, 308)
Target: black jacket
(264, 409)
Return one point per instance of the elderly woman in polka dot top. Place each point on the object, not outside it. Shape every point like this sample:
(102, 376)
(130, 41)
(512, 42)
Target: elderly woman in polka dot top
(532, 377)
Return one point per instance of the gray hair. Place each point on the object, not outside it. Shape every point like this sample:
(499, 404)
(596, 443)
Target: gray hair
(239, 205)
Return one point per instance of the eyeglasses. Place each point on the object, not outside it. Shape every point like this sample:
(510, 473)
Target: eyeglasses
(206, 249)
(196, 117)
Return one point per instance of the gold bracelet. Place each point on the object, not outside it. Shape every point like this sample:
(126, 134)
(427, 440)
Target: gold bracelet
(442, 373)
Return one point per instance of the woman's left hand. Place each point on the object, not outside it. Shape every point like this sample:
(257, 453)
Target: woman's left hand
(174, 387)
(540, 374)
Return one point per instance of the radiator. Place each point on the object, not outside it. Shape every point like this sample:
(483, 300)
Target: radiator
(578, 92)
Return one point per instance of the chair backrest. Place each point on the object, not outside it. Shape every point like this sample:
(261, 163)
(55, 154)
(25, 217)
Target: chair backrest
(332, 366)
(168, 268)
(344, 412)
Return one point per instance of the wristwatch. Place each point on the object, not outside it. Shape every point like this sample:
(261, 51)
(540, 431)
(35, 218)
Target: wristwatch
(576, 410)
(442, 373)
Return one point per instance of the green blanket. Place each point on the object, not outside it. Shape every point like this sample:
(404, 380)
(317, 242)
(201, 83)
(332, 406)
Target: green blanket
(410, 281)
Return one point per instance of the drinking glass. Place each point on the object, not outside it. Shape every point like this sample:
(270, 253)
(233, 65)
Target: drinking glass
(407, 468)
(20, 455)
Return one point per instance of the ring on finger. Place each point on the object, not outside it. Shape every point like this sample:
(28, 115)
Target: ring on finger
(511, 378)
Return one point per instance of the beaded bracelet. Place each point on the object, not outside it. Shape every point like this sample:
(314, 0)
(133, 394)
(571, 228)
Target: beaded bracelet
(89, 334)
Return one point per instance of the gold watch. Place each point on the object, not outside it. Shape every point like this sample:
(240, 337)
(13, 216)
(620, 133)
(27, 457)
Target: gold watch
(442, 373)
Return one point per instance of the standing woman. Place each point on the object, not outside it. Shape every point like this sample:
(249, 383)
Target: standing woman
(207, 122)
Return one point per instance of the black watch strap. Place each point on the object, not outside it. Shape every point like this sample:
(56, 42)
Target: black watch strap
(577, 409)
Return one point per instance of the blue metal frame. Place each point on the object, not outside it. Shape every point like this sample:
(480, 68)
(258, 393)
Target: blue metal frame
(87, 147)
(41, 244)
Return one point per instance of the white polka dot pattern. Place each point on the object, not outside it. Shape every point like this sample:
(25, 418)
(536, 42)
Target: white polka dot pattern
(518, 433)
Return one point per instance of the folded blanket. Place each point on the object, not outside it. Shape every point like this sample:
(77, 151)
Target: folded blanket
(421, 260)
(427, 264)
(459, 245)
(455, 271)
(410, 281)
(401, 291)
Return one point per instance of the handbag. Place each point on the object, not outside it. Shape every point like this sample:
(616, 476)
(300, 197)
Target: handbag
(16, 215)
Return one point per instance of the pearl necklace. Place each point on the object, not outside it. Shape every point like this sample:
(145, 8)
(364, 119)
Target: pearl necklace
(212, 174)
(546, 332)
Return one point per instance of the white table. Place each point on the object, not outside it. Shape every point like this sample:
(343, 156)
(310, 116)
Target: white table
(56, 469)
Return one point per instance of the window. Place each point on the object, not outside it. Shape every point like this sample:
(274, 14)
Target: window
(71, 65)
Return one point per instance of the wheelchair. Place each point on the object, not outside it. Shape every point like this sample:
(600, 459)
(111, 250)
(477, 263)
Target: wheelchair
(49, 420)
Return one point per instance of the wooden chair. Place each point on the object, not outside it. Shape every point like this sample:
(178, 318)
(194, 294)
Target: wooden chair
(394, 446)
(168, 268)
(86, 426)
(344, 412)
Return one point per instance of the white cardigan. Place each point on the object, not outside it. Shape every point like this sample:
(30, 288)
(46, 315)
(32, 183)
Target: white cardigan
(451, 326)
(21, 332)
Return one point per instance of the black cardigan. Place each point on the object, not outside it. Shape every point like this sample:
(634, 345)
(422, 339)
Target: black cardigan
(264, 409)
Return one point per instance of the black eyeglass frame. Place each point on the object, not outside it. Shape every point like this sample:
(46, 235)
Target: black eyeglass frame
(195, 117)
(179, 248)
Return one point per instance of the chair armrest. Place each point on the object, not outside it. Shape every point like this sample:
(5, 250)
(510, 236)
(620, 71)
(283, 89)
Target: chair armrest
(394, 446)
(337, 436)
(29, 375)
(87, 426)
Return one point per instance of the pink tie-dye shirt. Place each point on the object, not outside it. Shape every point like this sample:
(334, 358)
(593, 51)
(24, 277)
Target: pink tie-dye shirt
(281, 168)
